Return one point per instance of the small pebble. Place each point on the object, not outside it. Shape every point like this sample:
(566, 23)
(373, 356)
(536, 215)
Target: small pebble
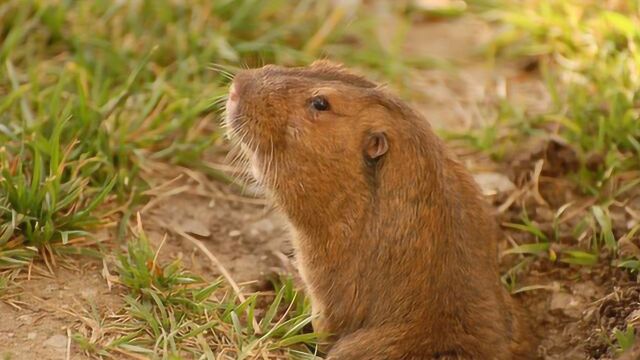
(89, 293)
(27, 319)
(59, 342)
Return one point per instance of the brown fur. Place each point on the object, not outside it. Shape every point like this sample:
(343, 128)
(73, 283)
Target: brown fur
(399, 255)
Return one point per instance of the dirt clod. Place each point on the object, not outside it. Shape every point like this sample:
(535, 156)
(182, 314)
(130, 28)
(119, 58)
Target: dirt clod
(57, 342)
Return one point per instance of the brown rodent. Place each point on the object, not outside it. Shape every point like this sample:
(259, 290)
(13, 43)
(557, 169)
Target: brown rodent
(393, 240)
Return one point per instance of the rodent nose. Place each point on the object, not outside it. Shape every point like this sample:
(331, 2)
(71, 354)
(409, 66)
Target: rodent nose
(233, 93)
(232, 100)
(242, 81)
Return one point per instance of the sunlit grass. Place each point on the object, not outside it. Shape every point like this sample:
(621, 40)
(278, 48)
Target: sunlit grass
(93, 91)
(589, 57)
(170, 313)
(587, 53)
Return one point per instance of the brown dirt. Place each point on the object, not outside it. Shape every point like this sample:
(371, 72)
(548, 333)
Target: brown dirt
(44, 308)
(250, 241)
(244, 237)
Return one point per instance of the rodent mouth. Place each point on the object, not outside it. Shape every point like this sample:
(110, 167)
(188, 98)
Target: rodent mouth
(245, 157)
(250, 153)
(234, 126)
(232, 101)
(234, 120)
(231, 114)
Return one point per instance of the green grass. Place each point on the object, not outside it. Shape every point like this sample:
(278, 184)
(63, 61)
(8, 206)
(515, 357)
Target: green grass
(92, 93)
(588, 54)
(44, 196)
(170, 313)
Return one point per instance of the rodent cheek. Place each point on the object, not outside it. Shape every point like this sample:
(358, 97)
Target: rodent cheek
(293, 132)
(295, 126)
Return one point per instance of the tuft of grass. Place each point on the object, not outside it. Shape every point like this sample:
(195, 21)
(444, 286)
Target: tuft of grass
(92, 93)
(45, 197)
(170, 313)
(589, 57)
(625, 339)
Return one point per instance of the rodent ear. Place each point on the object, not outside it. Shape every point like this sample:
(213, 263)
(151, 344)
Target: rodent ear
(376, 145)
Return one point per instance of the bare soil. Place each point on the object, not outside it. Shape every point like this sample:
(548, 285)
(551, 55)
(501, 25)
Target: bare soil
(573, 309)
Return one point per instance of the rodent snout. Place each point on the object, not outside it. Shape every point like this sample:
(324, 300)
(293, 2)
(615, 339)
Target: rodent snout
(232, 101)
(238, 86)
(241, 82)
(233, 106)
(233, 93)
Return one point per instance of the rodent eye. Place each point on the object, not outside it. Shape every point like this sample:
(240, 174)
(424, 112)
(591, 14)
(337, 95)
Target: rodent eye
(320, 103)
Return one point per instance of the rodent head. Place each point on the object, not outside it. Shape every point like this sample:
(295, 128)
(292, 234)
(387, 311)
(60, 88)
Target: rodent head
(316, 133)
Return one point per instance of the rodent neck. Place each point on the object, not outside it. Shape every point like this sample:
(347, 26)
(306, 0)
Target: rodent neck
(348, 213)
(425, 201)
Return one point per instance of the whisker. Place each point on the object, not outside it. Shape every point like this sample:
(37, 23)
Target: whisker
(265, 167)
(219, 102)
(275, 168)
(270, 178)
(244, 148)
(221, 96)
(227, 72)
(238, 153)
